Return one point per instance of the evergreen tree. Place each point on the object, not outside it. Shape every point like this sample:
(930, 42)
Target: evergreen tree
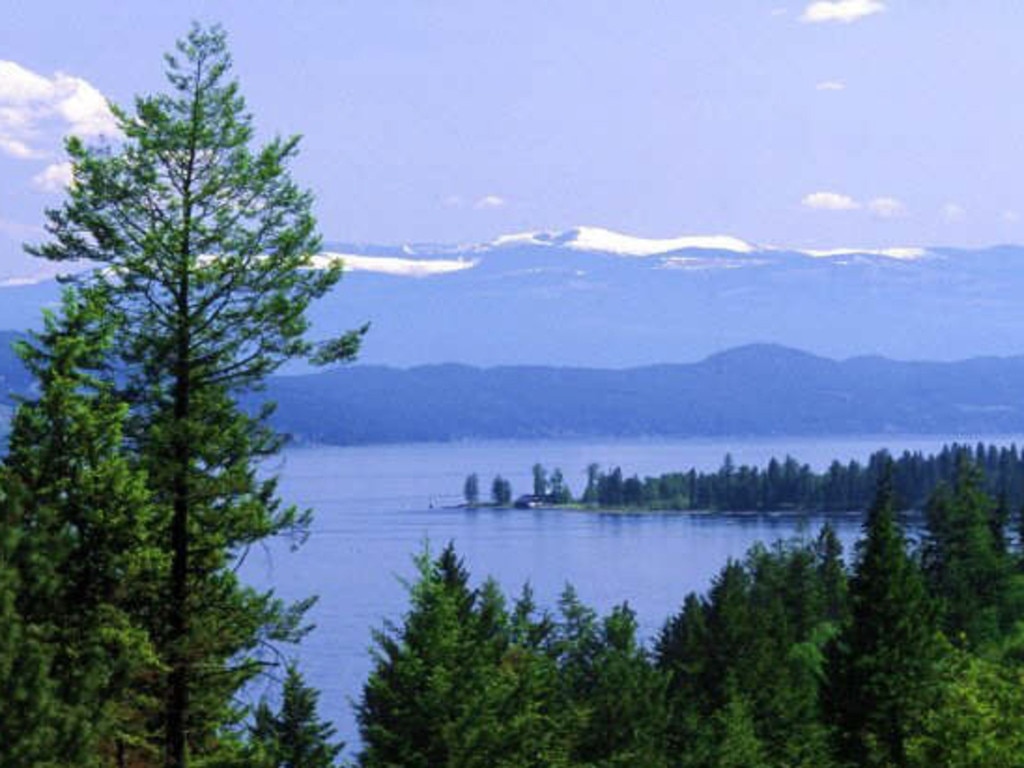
(732, 741)
(471, 490)
(882, 674)
(977, 719)
(206, 253)
(76, 516)
(590, 492)
(616, 695)
(965, 559)
(501, 491)
(420, 699)
(30, 717)
(832, 575)
(560, 492)
(540, 481)
(295, 736)
(682, 653)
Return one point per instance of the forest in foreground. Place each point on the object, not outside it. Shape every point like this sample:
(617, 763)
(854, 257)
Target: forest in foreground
(899, 655)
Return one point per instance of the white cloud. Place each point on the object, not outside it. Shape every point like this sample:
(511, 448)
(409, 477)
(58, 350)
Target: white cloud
(18, 149)
(830, 201)
(22, 86)
(54, 178)
(830, 85)
(36, 111)
(844, 11)
(887, 207)
(953, 212)
(1010, 217)
(489, 202)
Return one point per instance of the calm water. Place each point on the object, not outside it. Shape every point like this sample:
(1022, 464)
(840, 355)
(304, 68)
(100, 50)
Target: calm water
(374, 511)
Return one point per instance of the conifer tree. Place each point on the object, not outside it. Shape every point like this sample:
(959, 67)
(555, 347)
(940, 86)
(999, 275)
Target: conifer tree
(294, 736)
(78, 515)
(206, 252)
(471, 490)
(429, 670)
(883, 672)
(965, 559)
(30, 718)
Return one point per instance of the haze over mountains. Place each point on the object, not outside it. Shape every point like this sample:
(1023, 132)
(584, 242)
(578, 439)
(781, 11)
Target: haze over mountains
(594, 333)
(756, 390)
(592, 297)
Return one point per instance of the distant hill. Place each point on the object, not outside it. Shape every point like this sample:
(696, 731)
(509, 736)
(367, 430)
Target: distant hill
(750, 390)
(754, 390)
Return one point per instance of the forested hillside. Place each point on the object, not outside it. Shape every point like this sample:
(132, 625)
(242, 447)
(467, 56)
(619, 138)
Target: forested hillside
(755, 390)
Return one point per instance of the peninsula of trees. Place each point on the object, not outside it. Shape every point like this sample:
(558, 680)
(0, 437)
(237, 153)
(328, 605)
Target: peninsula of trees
(781, 485)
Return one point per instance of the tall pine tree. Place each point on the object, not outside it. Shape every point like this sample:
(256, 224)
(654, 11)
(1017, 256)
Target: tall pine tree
(207, 265)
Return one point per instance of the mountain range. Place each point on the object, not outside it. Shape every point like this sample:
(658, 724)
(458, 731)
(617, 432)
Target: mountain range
(589, 297)
(590, 332)
(756, 390)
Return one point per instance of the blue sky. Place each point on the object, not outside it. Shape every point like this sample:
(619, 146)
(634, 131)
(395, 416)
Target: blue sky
(809, 124)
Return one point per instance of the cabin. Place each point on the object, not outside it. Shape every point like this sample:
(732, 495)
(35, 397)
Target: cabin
(532, 501)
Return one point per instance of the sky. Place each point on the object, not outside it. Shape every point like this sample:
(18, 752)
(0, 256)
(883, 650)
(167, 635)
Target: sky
(853, 123)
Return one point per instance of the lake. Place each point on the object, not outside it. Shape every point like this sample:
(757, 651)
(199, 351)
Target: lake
(376, 506)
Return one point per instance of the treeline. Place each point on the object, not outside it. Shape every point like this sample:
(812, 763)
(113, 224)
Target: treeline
(907, 657)
(780, 485)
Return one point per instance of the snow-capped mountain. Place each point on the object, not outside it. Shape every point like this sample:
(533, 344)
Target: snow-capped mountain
(593, 297)
(423, 260)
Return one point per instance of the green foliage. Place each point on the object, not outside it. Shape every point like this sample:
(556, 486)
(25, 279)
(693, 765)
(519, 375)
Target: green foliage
(501, 491)
(791, 485)
(466, 682)
(886, 657)
(76, 524)
(734, 742)
(206, 251)
(294, 736)
(29, 706)
(559, 491)
(471, 490)
(751, 656)
(964, 556)
(428, 670)
(540, 481)
(617, 698)
(976, 719)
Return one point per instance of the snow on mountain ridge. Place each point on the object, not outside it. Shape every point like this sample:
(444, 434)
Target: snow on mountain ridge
(601, 240)
(900, 254)
(607, 241)
(393, 265)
